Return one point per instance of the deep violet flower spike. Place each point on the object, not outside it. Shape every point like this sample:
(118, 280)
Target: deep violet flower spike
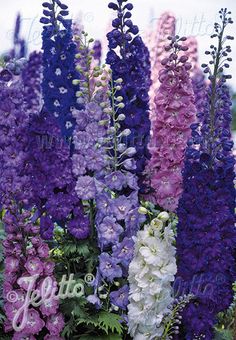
(50, 159)
(32, 77)
(130, 61)
(17, 27)
(206, 236)
(19, 45)
(59, 51)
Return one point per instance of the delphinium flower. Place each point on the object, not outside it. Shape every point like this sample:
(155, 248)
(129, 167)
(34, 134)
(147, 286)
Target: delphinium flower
(19, 49)
(206, 235)
(16, 66)
(165, 27)
(88, 68)
(89, 157)
(59, 52)
(175, 112)
(117, 217)
(25, 252)
(199, 82)
(15, 184)
(15, 60)
(128, 58)
(97, 48)
(83, 49)
(88, 57)
(173, 319)
(77, 27)
(26, 256)
(151, 274)
(32, 76)
(192, 53)
(53, 180)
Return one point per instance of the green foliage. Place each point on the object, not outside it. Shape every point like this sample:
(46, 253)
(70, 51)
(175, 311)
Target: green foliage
(110, 321)
(224, 327)
(103, 321)
(104, 337)
(90, 324)
(225, 334)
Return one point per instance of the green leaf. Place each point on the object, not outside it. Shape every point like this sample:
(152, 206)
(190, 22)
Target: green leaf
(68, 329)
(110, 322)
(69, 249)
(83, 250)
(224, 335)
(104, 337)
(80, 310)
(75, 306)
(91, 320)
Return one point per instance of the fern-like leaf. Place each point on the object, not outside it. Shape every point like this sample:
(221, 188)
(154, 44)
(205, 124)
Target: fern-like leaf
(110, 322)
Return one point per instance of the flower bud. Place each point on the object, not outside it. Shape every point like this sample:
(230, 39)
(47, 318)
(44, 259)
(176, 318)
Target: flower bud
(103, 122)
(129, 164)
(183, 58)
(75, 82)
(121, 117)
(119, 81)
(121, 147)
(80, 100)
(125, 133)
(79, 94)
(111, 130)
(142, 210)
(156, 223)
(107, 110)
(130, 151)
(103, 104)
(164, 216)
(78, 68)
(119, 98)
(121, 105)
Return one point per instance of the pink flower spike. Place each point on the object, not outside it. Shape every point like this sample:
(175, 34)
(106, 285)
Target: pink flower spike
(174, 111)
